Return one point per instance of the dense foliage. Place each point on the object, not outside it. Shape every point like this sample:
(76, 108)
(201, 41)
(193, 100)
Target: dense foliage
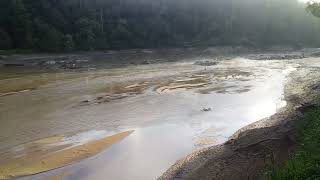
(306, 163)
(314, 8)
(56, 25)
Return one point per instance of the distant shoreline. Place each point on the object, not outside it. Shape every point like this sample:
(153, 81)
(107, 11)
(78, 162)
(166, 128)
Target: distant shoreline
(152, 56)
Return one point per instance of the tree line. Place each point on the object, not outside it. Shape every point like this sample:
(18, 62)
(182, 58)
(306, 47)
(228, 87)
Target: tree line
(67, 25)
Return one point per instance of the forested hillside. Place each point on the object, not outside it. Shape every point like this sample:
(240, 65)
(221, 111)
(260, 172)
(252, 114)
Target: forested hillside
(66, 25)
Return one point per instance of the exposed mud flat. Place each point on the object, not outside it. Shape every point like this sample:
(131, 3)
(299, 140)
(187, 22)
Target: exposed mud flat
(181, 106)
(20, 84)
(204, 81)
(51, 153)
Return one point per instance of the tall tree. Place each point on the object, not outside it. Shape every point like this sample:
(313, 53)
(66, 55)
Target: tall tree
(20, 25)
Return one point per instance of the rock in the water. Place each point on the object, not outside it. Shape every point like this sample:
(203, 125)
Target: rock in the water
(51, 62)
(145, 62)
(316, 87)
(70, 66)
(206, 109)
(276, 56)
(64, 62)
(206, 63)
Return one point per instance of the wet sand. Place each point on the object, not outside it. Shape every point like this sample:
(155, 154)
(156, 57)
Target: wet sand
(163, 103)
(46, 158)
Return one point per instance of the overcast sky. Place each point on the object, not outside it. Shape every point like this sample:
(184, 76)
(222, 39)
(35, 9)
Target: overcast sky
(305, 1)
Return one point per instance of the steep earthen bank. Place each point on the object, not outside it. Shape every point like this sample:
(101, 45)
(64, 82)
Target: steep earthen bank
(258, 146)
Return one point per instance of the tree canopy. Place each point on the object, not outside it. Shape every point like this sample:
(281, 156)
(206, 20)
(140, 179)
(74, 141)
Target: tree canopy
(314, 8)
(66, 25)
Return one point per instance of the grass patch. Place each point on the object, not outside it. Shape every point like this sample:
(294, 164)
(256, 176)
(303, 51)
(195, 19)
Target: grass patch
(306, 162)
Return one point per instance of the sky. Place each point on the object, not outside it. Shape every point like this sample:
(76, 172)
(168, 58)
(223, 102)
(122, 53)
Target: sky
(305, 1)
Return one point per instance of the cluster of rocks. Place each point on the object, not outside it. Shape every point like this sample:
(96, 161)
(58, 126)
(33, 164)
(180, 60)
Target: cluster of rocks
(52, 62)
(276, 56)
(206, 63)
(66, 62)
(303, 53)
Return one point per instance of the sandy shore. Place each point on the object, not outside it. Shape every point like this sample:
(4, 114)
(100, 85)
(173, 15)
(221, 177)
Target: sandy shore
(255, 147)
(45, 155)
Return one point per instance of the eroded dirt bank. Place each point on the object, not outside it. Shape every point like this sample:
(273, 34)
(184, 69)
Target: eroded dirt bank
(255, 147)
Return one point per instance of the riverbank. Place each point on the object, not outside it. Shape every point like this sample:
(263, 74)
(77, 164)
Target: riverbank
(253, 149)
(305, 162)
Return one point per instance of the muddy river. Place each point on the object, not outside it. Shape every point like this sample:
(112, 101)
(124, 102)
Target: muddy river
(169, 110)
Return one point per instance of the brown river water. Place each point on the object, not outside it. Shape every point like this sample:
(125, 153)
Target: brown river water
(170, 109)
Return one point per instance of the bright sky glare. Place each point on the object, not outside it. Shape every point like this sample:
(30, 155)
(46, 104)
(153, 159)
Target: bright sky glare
(305, 1)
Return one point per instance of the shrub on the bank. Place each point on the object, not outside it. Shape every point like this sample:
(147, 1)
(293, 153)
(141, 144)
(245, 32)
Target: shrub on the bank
(306, 162)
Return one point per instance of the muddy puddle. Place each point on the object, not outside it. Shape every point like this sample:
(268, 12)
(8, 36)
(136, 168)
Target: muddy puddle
(170, 110)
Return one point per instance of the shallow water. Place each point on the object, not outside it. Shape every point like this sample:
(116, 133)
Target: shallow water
(174, 108)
